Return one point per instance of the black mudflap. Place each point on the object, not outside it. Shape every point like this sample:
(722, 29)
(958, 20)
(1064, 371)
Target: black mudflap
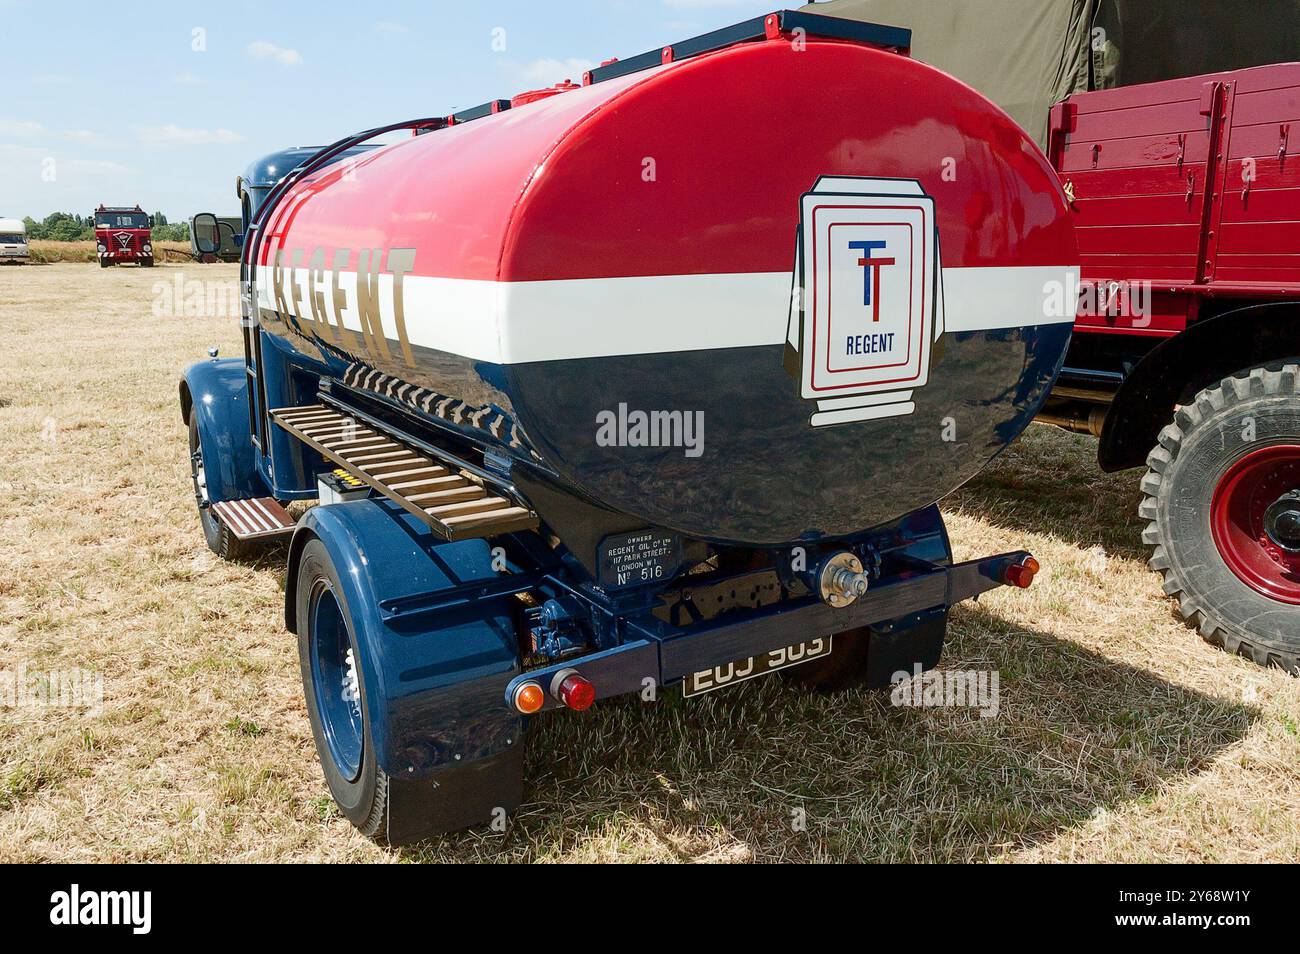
(903, 648)
(456, 797)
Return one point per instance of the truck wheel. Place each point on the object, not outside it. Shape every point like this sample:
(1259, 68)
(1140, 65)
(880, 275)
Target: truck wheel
(218, 536)
(103, 263)
(1223, 499)
(146, 263)
(335, 693)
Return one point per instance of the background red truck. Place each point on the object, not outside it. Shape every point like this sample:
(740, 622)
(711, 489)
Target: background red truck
(123, 235)
(1187, 202)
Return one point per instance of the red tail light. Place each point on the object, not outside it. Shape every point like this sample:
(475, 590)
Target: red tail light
(1022, 574)
(573, 690)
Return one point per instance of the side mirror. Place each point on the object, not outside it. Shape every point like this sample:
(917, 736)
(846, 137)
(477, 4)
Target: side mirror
(207, 237)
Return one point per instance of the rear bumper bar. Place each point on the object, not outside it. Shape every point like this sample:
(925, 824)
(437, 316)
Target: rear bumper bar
(657, 653)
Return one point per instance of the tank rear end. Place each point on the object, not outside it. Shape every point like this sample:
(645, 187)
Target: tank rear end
(781, 291)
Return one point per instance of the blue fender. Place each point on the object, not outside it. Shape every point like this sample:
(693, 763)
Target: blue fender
(217, 390)
(436, 651)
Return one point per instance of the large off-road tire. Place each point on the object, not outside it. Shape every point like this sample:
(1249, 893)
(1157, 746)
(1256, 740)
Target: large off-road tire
(218, 536)
(335, 692)
(1225, 531)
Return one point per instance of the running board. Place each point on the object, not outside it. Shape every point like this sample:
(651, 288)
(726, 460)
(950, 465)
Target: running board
(458, 505)
(258, 518)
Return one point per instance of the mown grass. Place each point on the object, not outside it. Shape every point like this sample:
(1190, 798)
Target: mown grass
(44, 252)
(1120, 735)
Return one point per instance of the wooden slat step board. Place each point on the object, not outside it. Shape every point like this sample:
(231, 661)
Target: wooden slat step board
(259, 518)
(455, 504)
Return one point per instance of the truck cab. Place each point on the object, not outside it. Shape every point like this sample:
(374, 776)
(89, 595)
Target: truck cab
(122, 235)
(261, 176)
(13, 242)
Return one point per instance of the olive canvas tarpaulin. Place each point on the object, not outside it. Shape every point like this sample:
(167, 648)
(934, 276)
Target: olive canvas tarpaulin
(1026, 55)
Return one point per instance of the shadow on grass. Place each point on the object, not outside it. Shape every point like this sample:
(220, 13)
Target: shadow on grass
(1048, 482)
(728, 774)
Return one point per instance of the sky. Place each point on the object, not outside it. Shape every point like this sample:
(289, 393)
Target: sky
(164, 104)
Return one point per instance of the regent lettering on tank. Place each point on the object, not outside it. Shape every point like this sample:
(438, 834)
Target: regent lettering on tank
(339, 297)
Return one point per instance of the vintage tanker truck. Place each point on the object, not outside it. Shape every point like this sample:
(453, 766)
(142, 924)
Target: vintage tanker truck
(647, 381)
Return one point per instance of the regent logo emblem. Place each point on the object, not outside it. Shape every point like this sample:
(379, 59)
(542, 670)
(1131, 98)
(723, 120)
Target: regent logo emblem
(871, 273)
(867, 307)
(123, 239)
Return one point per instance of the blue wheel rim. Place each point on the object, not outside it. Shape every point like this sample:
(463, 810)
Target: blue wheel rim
(337, 680)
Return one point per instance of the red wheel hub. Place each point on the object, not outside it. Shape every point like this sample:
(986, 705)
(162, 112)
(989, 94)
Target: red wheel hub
(1254, 528)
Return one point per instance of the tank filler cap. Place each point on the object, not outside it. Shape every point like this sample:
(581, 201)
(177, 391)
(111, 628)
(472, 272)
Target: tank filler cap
(533, 95)
(841, 579)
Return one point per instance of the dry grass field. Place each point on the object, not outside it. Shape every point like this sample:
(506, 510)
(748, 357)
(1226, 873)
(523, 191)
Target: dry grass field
(1121, 736)
(46, 253)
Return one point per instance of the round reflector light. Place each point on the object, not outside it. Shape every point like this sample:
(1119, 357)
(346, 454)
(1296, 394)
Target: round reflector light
(1022, 574)
(529, 697)
(576, 692)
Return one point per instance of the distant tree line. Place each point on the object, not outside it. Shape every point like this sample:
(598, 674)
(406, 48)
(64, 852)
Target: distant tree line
(70, 227)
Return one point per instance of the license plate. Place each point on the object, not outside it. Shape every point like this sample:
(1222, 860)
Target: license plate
(731, 673)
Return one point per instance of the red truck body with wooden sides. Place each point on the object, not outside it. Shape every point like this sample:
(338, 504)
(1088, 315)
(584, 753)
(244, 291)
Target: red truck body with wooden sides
(1186, 196)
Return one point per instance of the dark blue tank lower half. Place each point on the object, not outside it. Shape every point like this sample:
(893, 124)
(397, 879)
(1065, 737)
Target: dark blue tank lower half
(758, 472)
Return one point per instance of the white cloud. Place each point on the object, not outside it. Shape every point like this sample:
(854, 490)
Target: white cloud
(22, 128)
(186, 78)
(30, 129)
(547, 72)
(264, 50)
(97, 166)
(170, 135)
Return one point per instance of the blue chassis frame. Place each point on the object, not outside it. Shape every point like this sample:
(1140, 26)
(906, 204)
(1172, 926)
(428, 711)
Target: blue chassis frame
(667, 654)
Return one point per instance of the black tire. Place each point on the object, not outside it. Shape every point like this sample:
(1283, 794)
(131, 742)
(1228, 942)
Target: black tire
(146, 263)
(1254, 412)
(361, 794)
(217, 535)
(103, 263)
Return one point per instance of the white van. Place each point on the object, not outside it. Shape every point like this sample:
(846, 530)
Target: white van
(13, 241)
